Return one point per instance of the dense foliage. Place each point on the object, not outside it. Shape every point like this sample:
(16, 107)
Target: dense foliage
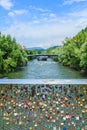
(12, 55)
(73, 53)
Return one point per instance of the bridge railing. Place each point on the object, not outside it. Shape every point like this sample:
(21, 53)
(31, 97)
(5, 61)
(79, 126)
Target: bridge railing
(43, 104)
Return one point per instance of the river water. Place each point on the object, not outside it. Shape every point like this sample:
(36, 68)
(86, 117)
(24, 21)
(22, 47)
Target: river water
(45, 70)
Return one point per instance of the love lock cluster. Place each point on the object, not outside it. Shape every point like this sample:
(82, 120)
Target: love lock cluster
(43, 107)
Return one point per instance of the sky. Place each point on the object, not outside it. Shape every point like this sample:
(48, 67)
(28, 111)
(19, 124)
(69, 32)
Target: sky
(42, 23)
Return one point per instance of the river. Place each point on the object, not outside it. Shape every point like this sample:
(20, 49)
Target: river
(45, 70)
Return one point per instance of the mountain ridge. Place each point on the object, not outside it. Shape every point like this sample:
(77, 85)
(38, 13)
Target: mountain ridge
(35, 48)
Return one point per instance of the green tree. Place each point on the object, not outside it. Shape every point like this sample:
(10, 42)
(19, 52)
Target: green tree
(73, 53)
(83, 57)
(9, 65)
(12, 55)
(1, 59)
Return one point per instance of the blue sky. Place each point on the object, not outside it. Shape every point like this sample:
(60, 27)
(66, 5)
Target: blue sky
(42, 23)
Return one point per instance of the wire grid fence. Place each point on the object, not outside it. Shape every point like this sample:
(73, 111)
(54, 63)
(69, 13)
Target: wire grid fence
(43, 107)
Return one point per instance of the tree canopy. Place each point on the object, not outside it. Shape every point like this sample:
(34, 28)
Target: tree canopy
(12, 55)
(73, 53)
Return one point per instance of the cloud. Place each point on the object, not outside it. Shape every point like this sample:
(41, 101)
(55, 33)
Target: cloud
(7, 4)
(45, 29)
(80, 16)
(11, 14)
(17, 12)
(38, 9)
(80, 13)
(69, 2)
(43, 34)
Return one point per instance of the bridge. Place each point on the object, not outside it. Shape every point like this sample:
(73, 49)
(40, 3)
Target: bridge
(43, 104)
(31, 55)
(42, 56)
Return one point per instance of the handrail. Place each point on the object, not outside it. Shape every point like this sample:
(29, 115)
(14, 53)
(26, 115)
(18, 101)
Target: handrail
(43, 81)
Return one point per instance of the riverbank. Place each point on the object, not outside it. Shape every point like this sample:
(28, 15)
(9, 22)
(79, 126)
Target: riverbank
(45, 70)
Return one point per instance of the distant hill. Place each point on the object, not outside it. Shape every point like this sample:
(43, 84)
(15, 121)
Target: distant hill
(36, 48)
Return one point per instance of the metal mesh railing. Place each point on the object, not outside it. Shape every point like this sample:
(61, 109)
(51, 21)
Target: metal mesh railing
(43, 106)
